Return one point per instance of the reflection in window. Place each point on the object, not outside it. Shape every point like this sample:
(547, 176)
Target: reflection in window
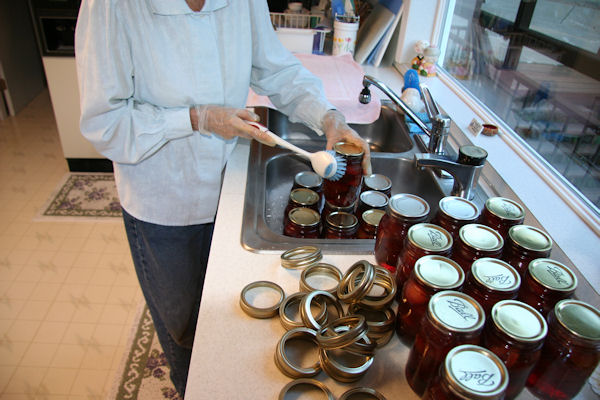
(538, 68)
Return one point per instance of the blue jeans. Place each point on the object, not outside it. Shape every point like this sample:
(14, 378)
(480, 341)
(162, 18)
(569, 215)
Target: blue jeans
(170, 262)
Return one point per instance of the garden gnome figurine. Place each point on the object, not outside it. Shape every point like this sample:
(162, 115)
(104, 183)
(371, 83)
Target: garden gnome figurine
(420, 47)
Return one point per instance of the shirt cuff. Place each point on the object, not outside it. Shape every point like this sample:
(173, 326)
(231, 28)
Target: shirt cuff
(177, 123)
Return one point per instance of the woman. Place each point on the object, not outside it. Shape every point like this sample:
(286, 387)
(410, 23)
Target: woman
(163, 85)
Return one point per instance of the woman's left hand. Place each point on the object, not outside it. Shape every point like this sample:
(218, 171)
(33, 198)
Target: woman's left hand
(337, 130)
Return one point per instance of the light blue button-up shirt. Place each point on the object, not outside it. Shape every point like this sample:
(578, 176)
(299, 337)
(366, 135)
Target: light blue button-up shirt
(142, 63)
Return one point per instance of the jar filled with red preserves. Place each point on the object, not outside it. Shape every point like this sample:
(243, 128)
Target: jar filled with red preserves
(545, 283)
(490, 281)
(421, 240)
(571, 351)
(310, 180)
(340, 225)
(476, 241)
(455, 212)
(524, 244)
(369, 222)
(344, 192)
(501, 213)
(371, 199)
(431, 275)
(404, 210)
(452, 319)
(515, 332)
(303, 223)
(378, 182)
(329, 208)
(301, 197)
(469, 373)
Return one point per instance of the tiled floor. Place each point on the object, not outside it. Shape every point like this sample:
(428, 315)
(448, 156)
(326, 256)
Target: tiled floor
(68, 291)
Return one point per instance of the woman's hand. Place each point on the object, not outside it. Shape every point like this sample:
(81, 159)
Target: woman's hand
(336, 130)
(227, 122)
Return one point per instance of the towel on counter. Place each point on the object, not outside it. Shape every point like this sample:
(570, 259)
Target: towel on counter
(342, 81)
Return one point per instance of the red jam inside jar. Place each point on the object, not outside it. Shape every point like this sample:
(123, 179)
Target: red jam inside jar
(341, 225)
(403, 211)
(421, 240)
(452, 319)
(431, 275)
(469, 372)
(303, 223)
(310, 180)
(476, 241)
(369, 222)
(454, 213)
(571, 351)
(344, 192)
(378, 182)
(524, 244)
(515, 333)
(501, 214)
(301, 197)
(490, 281)
(545, 283)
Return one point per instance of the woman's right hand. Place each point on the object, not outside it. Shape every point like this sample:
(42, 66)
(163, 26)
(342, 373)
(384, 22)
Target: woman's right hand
(227, 122)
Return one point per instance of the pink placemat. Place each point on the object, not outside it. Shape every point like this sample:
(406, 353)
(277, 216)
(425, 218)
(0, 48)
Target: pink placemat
(342, 81)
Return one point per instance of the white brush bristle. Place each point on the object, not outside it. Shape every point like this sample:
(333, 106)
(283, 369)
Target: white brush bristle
(341, 166)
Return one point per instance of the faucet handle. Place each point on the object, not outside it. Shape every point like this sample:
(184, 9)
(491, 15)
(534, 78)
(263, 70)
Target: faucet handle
(471, 155)
(430, 104)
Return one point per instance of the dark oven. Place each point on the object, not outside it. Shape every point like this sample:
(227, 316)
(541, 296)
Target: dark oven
(55, 22)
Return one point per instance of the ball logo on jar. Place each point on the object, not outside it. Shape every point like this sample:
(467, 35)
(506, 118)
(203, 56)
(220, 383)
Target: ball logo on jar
(436, 238)
(499, 280)
(558, 275)
(510, 211)
(480, 378)
(462, 309)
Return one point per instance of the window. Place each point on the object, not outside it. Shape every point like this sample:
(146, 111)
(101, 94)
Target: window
(536, 65)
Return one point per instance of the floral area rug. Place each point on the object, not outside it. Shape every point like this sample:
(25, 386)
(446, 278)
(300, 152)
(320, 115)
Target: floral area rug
(84, 195)
(144, 373)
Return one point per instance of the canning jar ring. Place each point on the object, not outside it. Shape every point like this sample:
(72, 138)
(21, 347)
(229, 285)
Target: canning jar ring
(305, 307)
(341, 372)
(384, 280)
(320, 269)
(306, 381)
(282, 361)
(330, 339)
(261, 312)
(294, 298)
(359, 289)
(362, 390)
(376, 327)
(301, 257)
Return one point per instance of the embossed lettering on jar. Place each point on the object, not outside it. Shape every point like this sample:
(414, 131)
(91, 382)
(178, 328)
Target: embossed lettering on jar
(524, 244)
(421, 240)
(476, 241)
(403, 211)
(501, 214)
(344, 192)
(452, 319)
(431, 275)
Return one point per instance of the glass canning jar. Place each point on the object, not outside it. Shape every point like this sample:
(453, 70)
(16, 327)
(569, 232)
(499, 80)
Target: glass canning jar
(524, 244)
(303, 223)
(491, 280)
(545, 283)
(378, 182)
(469, 373)
(329, 208)
(403, 211)
(515, 332)
(431, 275)
(421, 240)
(453, 213)
(301, 197)
(476, 241)
(344, 192)
(340, 225)
(369, 222)
(571, 351)
(452, 319)
(501, 213)
(310, 180)
(371, 199)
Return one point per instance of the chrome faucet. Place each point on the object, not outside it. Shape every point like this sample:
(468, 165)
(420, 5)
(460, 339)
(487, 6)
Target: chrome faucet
(440, 124)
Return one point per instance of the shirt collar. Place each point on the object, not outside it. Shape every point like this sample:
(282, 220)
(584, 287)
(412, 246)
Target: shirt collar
(177, 7)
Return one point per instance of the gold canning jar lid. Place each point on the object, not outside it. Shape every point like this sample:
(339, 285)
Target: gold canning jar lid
(481, 237)
(496, 274)
(519, 321)
(579, 318)
(304, 197)
(373, 216)
(455, 311)
(342, 220)
(429, 237)
(348, 149)
(405, 206)
(303, 216)
(378, 182)
(439, 272)
(505, 208)
(458, 208)
(530, 238)
(552, 275)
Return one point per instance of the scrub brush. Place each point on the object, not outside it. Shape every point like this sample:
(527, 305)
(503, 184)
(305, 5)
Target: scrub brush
(325, 163)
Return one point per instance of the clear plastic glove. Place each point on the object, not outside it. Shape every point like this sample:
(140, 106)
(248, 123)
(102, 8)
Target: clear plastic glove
(227, 122)
(336, 130)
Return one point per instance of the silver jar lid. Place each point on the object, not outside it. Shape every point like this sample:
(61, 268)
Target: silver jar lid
(455, 311)
(481, 237)
(579, 318)
(530, 238)
(407, 206)
(378, 182)
(374, 199)
(429, 237)
(304, 196)
(373, 216)
(439, 272)
(519, 321)
(552, 275)
(308, 179)
(458, 208)
(496, 274)
(505, 208)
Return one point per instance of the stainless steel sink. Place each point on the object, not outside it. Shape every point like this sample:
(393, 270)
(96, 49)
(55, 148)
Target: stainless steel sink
(271, 171)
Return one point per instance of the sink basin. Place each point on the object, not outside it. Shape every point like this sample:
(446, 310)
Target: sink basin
(271, 172)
